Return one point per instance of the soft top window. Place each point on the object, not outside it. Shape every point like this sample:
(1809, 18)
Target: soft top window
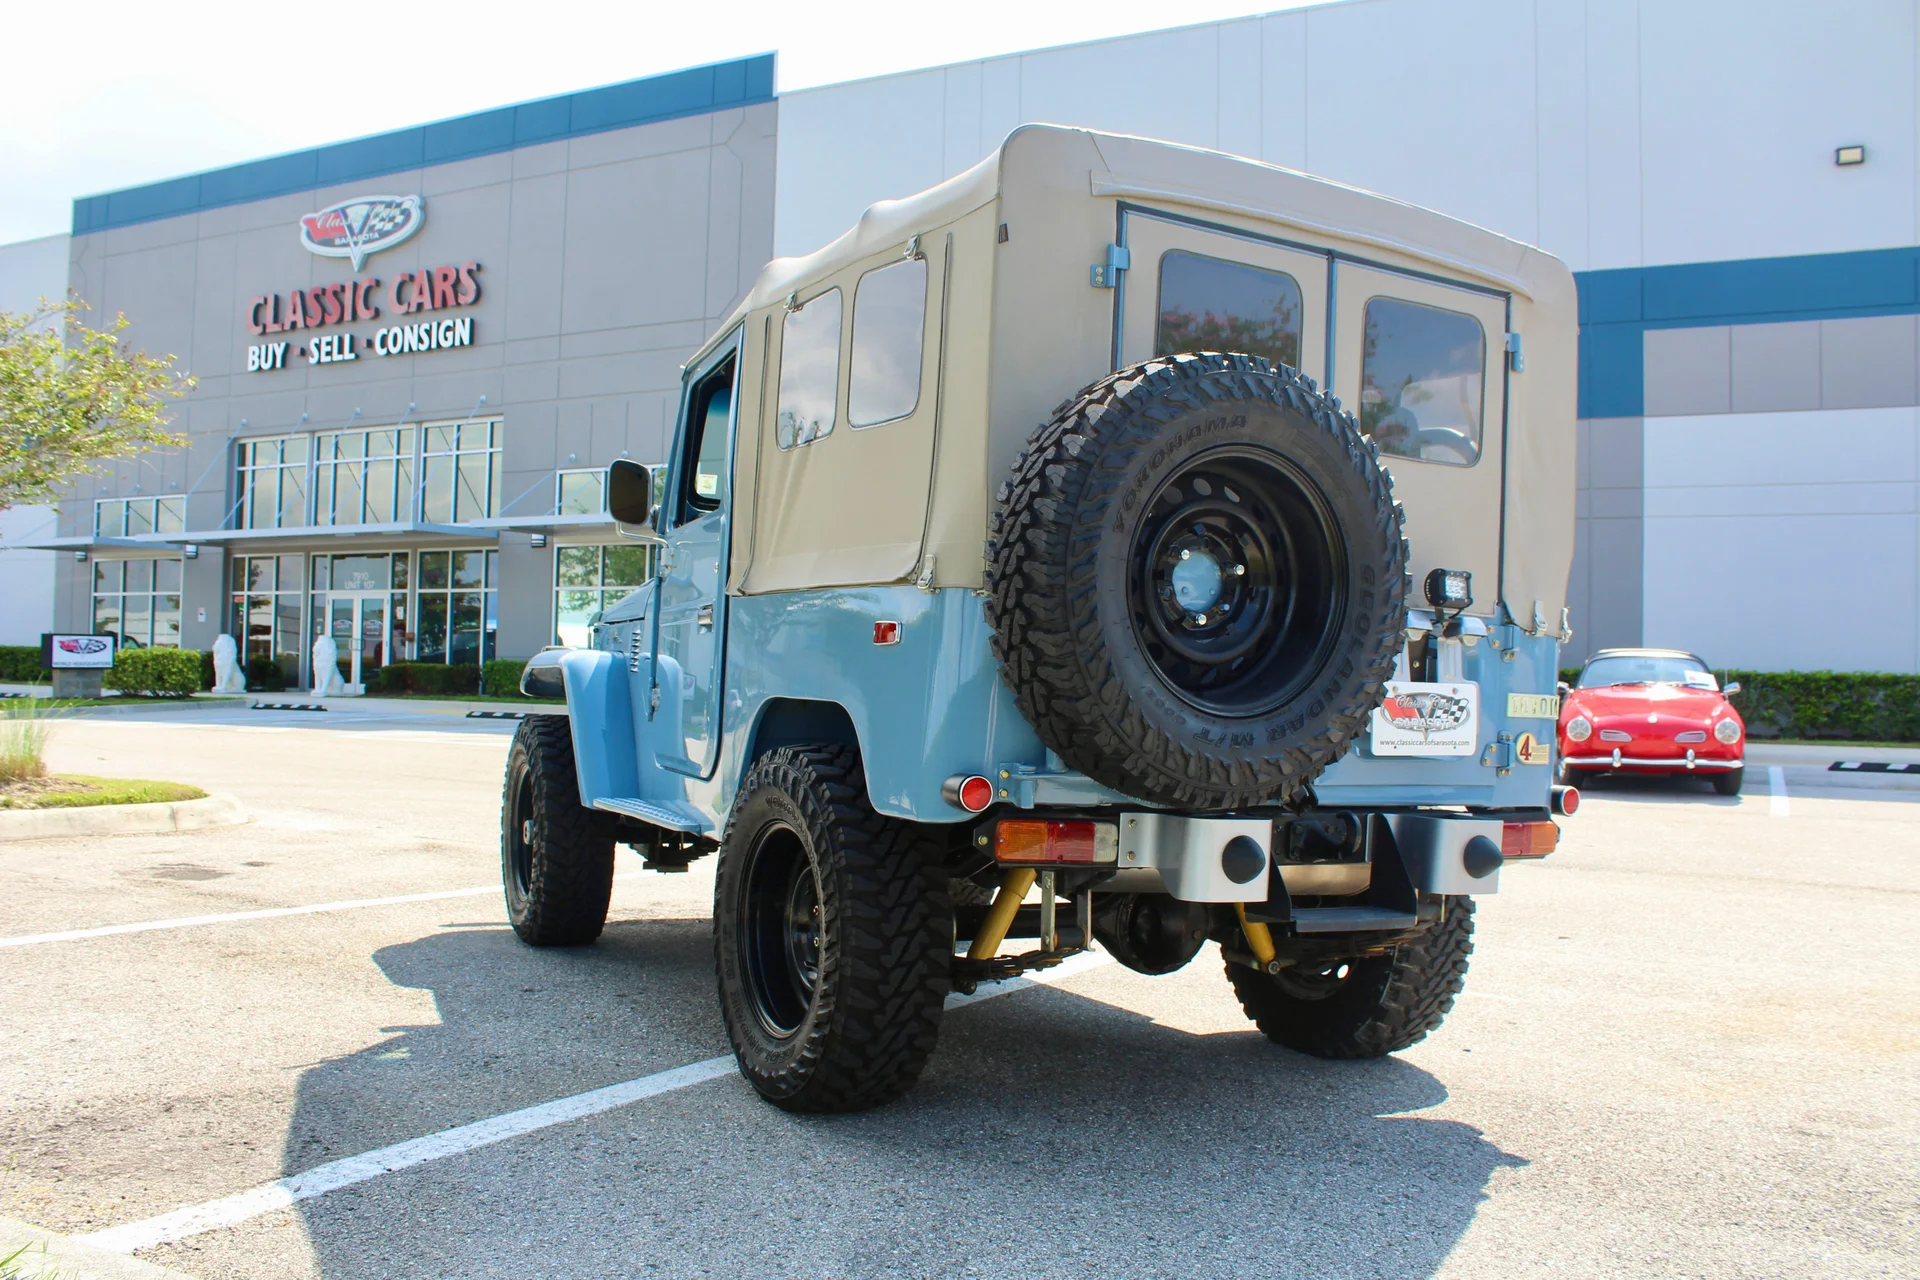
(889, 325)
(1422, 381)
(1647, 669)
(1210, 304)
(809, 371)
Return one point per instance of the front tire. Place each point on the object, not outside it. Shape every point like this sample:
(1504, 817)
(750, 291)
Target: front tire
(1366, 1007)
(832, 936)
(556, 855)
(1730, 782)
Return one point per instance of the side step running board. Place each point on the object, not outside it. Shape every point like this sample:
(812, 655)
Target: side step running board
(674, 817)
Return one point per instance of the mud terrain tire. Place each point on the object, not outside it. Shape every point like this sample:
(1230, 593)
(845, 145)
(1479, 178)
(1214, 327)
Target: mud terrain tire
(1384, 1004)
(556, 855)
(1198, 581)
(853, 1026)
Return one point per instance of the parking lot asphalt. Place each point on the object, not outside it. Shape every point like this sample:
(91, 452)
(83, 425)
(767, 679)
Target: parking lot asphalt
(1687, 1048)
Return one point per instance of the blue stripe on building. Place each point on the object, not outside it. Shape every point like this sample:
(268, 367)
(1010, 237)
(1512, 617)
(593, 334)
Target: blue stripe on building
(695, 91)
(1618, 307)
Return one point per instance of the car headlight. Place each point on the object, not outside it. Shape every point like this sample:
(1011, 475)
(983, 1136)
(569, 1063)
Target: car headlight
(1728, 731)
(1579, 729)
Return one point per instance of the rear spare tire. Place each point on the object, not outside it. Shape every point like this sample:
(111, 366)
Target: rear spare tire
(1198, 581)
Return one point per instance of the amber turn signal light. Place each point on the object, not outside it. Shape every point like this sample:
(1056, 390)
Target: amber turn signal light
(1034, 842)
(1528, 839)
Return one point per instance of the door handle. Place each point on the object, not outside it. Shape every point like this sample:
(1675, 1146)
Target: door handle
(705, 617)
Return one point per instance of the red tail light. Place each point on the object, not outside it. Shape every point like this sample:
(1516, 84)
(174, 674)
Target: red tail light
(1528, 839)
(970, 792)
(1032, 841)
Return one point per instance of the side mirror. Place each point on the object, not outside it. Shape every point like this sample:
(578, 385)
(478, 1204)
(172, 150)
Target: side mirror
(1563, 688)
(1730, 688)
(630, 499)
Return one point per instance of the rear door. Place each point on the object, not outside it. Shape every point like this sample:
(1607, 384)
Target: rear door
(1194, 288)
(1423, 365)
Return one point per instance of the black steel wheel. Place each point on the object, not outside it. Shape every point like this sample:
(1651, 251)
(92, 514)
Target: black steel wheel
(1198, 581)
(556, 855)
(833, 935)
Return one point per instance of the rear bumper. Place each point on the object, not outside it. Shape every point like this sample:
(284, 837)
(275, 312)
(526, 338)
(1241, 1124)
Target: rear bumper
(1689, 763)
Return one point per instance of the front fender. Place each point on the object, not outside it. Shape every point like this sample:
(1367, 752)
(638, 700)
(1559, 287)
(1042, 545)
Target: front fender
(599, 709)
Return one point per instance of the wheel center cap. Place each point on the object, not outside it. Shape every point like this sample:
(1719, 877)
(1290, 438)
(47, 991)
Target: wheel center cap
(1196, 581)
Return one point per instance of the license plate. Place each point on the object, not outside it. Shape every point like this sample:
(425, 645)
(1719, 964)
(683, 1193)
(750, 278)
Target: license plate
(1533, 706)
(1427, 718)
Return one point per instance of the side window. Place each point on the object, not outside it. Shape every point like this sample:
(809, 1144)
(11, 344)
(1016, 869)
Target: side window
(1423, 381)
(1210, 304)
(809, 371)
(889, 326)
(708, 444)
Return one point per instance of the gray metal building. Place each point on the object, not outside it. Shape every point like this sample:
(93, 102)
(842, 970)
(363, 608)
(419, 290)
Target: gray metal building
(415, 354)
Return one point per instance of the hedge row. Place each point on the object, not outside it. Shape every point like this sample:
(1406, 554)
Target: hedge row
(453, 679)
(21, 663)
(156, 673)
(1848, 705)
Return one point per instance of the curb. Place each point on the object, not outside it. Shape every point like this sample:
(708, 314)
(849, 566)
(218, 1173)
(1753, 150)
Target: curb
(51, 1255)
(122, 819)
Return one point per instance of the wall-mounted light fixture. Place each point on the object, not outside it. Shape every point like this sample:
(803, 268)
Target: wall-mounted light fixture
(81, 556)
(1844, 156)
(538, 539)
(190, 551)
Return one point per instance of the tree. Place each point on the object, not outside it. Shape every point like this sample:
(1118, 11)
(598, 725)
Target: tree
(72, 397)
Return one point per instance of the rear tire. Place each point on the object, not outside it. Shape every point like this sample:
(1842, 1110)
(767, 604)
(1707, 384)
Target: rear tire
(1730, 782)
(1368, 1007)
(556, 855)
(833, 936)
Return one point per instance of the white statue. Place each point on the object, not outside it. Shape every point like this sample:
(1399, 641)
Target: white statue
(326, 669)
(227, 676)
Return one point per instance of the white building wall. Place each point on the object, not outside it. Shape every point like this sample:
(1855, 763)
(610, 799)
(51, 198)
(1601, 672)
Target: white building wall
(1613, 134)
(29, 271)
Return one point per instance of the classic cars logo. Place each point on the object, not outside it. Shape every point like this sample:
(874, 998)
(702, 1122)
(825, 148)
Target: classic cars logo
(360, 226)
(1426, 713)
(83, 644)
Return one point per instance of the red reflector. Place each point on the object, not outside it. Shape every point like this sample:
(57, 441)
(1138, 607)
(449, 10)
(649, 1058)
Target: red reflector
(1528, 839)
(1031, 841)
(886, 633)
(976, 793)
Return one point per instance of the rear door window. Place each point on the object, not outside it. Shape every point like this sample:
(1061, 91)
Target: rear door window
(1423, 381)
(1211, 304)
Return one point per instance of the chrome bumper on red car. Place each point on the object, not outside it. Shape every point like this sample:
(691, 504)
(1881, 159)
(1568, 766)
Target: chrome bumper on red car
(1619, 761)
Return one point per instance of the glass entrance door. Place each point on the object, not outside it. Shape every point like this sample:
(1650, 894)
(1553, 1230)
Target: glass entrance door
(358, 624)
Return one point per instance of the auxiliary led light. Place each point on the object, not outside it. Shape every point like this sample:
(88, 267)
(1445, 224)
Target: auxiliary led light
(1449, 588)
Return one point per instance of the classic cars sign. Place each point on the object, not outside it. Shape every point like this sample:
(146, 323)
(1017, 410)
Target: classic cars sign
(360, 226)
(83, 653)
(1421, 718)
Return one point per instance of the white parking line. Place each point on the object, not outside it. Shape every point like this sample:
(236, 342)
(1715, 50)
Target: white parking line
(265, 913)
(1776, 792)
(234, 1209)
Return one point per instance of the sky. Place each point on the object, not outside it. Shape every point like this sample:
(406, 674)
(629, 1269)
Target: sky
(115, 94)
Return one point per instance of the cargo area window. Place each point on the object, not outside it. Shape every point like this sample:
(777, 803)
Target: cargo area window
(1210, 304)
(1423, 381)
(889, 327)
(809, 371)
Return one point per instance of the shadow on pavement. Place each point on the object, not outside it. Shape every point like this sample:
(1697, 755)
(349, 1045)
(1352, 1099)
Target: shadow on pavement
(1053, 1135)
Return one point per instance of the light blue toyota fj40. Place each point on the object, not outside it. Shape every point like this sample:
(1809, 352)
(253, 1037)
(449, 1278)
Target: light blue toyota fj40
(1118, 542)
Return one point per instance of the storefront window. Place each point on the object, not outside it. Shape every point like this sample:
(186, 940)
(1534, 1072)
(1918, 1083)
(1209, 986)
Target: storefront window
(582, 493)
(456, 598)
(124, 517)
(272, 482)
(138, 601)
(363, 477)
(588, 580)
(265, 597)
(460, 471)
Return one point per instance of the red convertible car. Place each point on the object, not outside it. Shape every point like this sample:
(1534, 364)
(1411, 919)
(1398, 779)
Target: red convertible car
(1651, 711)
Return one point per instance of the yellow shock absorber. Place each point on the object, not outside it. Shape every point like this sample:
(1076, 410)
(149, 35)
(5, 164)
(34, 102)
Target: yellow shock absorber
(993, 930)
(1259, 937)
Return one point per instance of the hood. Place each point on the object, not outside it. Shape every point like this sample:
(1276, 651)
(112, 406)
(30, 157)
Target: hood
(1636, 702)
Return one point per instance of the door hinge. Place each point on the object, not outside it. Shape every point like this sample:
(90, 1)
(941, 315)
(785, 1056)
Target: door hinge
(1106, 275)
(1516, 358)
(925, 580)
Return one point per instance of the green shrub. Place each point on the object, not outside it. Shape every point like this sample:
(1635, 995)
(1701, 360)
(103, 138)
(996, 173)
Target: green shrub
(21, 663)
(23, 742)
(265, 676)
(458, 680)
(160, 673)
(206, 669)
(500, 678)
